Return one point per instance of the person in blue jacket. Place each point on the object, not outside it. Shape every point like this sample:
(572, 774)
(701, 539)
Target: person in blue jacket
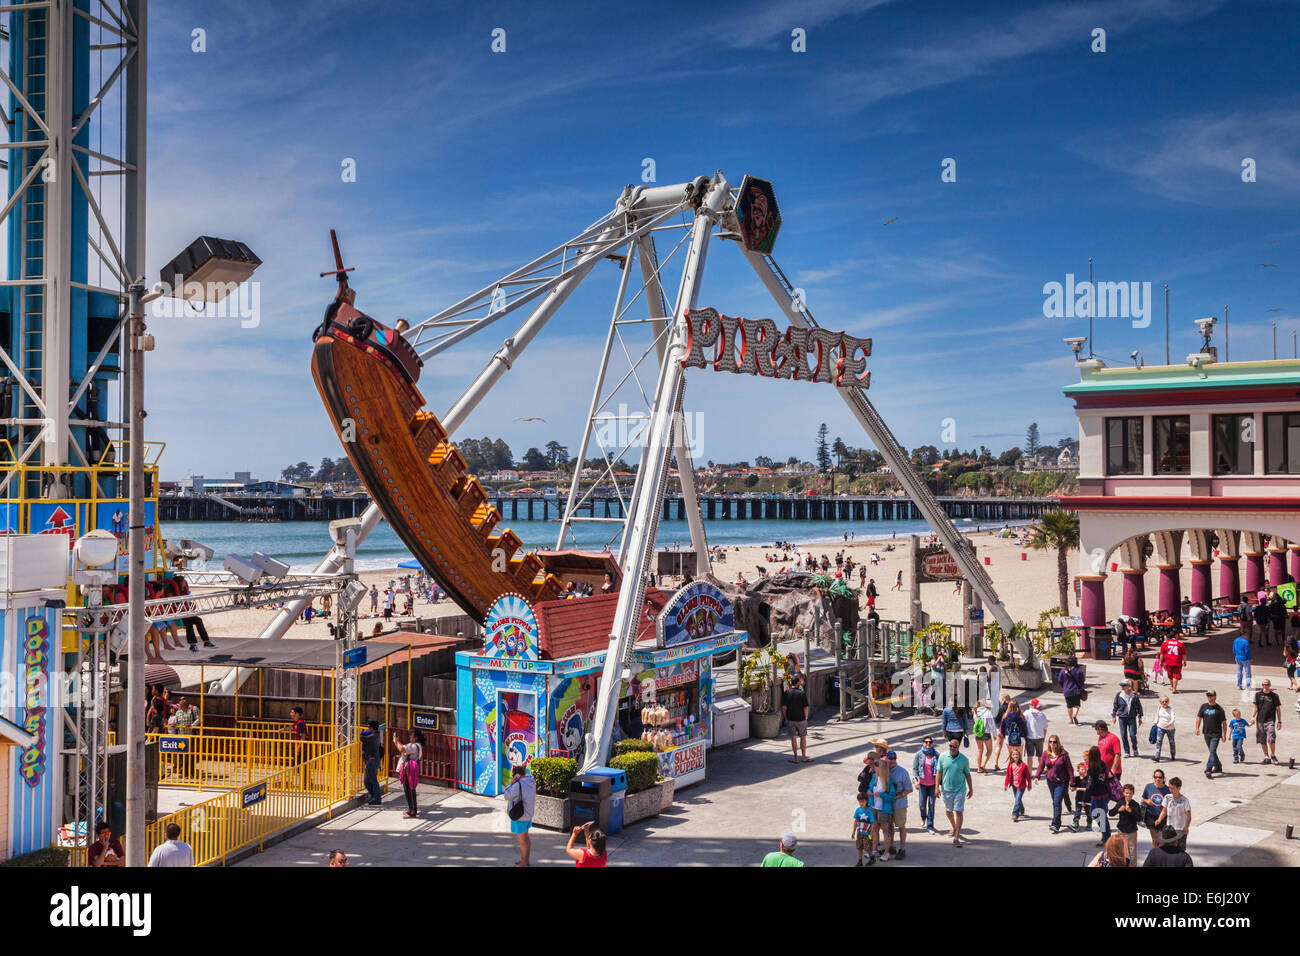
(1241, 652)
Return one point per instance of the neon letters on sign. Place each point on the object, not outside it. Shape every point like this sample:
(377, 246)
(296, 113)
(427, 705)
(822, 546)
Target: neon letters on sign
(726, 343)
(36, 650)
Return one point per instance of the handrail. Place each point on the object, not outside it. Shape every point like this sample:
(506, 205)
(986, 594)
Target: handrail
(241, 818)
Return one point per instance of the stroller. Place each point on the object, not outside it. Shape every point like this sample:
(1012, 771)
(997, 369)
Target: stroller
(1141, 686)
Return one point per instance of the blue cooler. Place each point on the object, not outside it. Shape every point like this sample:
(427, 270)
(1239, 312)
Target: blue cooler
(617, 794)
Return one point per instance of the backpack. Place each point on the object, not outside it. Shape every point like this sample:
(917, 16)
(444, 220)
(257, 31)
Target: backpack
(979, 727)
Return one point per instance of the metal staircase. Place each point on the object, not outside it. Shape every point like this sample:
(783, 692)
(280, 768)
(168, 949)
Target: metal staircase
(32, 220)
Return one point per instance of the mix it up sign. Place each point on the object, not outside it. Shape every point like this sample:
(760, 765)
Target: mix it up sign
(727, 343)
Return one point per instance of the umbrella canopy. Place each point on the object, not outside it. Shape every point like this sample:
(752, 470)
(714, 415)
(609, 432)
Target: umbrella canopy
(161, 674)
(412, 564)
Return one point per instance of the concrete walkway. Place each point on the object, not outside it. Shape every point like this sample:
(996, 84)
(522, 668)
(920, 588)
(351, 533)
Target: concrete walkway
(752, 794)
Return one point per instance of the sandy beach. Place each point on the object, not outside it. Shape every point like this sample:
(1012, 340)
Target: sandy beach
(1025, 580)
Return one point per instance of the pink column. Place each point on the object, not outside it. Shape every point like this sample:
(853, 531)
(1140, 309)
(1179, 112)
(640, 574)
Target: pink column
(1170, 591)
(1135, 592)
(1229, 583)
(1202, 591)
(1276, 566)
(1295, 563)
(1092, 605)
(1254, 571)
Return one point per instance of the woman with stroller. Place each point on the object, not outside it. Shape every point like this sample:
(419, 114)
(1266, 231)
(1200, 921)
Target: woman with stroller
(1133, 671)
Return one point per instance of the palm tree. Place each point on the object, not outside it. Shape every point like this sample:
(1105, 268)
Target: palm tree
(1060, 530)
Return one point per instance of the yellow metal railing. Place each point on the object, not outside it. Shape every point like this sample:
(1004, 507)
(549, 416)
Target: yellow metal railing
(232, 821)
(230, 762)
(320, 733)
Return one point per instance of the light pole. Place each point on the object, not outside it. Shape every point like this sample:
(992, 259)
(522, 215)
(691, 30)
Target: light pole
(139, 343)
(212, 268)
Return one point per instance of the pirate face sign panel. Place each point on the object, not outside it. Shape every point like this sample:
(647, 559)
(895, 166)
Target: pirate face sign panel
(511, 629)
(759, 216)
(697, 611)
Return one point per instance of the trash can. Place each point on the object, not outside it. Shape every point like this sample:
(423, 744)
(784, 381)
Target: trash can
(617, 794)
(1101, 645)
(590, 795)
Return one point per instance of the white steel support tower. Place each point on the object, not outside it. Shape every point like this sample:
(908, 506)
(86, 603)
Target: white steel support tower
(73, 224)
(648, 368)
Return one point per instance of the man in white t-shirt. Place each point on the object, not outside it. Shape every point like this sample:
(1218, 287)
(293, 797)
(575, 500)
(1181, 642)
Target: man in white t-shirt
(1036, 722)
(174, 852)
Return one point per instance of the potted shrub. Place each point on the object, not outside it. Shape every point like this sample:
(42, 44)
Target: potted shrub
(553, 810)
(1028, 673)
(644, 794)
(756, 678)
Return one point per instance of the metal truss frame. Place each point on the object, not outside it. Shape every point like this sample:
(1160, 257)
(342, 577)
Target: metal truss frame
(44, 373)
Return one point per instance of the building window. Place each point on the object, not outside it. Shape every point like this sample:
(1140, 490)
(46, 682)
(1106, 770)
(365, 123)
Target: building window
(1172, 454)
(1282, 444)
(1234, 448)
(1124, 446)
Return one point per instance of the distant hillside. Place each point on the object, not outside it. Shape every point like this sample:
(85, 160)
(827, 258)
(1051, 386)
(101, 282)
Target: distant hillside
(1034, 484)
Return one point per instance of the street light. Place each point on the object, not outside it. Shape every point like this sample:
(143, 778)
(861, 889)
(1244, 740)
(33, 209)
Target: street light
(208, 269)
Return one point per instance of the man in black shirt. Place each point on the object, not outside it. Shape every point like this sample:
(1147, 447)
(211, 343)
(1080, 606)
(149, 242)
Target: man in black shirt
(1166, 851)
(794, 707)
(1215, 723)
(1262, 620)
(1267, 720)
(372, 752)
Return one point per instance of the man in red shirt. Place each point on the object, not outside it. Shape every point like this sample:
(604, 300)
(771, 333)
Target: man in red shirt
(1172, 653)
(105, 851)
(1109, 746)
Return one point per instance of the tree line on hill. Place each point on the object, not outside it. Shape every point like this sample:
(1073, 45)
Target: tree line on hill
(485, 456)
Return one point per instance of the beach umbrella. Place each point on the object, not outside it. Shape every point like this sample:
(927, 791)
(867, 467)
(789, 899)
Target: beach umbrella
(412, 564)
(161, 674)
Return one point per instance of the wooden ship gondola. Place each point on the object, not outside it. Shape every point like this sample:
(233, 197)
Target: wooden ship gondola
(366, 373)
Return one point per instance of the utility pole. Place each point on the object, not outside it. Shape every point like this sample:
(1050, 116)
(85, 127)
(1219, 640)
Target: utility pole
(1092, 306)
(1225, 333)
(135, 797)
(1166, 323)
(1275, 340)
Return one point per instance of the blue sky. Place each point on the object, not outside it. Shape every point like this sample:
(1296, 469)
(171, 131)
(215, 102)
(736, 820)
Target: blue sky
(470, 163)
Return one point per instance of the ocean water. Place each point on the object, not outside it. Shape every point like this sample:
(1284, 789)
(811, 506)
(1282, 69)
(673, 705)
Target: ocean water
(302, 544)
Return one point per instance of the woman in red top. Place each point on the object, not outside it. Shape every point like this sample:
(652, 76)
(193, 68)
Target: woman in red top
(593, 854)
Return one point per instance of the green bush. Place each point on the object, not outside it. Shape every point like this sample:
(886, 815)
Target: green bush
(553, 774)
(52, 856)
(642, 769)
(634, 745)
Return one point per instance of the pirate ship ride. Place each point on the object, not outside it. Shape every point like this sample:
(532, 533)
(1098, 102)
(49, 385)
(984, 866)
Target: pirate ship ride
(366, 373)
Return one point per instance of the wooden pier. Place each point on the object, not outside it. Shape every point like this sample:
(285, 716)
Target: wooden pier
(516, 508)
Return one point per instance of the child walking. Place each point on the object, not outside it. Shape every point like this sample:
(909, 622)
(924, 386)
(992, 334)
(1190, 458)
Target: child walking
(863, 819)
(1079, 784)
(1017, 781)
(1238, 727)
(1128, 813)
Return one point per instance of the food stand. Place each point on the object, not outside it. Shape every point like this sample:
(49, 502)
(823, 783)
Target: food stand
(524, 696)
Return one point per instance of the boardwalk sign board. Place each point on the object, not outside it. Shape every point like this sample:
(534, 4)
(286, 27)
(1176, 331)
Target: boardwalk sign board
(938, 565)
